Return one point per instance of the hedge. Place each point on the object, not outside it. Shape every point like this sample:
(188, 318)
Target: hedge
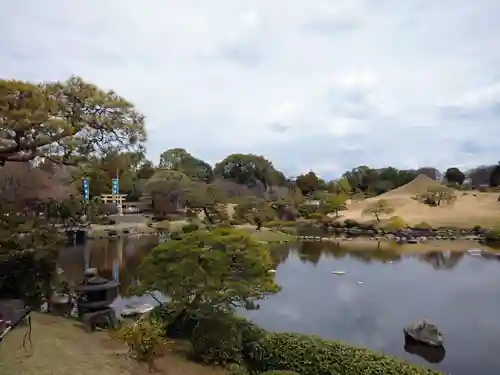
(235, 342)
(311, 355)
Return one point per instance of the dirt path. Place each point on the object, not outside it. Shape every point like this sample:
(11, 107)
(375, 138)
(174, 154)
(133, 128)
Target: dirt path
(61, 347)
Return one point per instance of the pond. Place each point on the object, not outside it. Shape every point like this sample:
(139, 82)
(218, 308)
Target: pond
(381, 292)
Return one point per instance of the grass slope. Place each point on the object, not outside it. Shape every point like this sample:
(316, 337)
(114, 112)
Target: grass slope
(61, 347)
(469, 209)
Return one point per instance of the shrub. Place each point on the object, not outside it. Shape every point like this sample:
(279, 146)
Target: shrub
(395, 223)
(492, 235)
(237, 369)
(175, 235)
(367, 226)
(423, 225)
(349, 223)
(476, 228)
(191, 227)
(336, 224)
(144, 339)
(311, 355)
(316, 215)
(217, 341)
(243, 347)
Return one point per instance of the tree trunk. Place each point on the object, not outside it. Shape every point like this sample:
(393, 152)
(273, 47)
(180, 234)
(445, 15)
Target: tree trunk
(205, 211)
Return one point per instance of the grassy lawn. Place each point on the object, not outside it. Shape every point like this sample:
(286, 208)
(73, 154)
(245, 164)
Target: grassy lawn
(61, 347)
(266, 234)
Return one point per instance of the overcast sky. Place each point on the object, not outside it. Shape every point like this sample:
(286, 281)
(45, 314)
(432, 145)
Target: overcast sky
(324, 85)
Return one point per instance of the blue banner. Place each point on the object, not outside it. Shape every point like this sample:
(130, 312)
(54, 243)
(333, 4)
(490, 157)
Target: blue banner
(86, 193)
(115, 186)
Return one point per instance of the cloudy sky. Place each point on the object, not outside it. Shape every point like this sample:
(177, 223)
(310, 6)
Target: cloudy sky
(324, 85)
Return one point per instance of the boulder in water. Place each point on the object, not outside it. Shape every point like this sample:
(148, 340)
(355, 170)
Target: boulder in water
(425, 332)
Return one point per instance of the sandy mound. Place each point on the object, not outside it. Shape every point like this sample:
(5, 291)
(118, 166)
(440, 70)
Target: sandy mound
(418, 185)
(471, 208)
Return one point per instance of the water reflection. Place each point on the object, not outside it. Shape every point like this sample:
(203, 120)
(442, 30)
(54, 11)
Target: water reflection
(314, 252)
(432, 354)
(117, 258)
(459, 292)
(456, 291)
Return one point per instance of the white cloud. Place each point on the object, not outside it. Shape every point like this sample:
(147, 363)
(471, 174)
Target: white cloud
(308, 84)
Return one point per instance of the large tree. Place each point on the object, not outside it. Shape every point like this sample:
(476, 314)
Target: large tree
(495, 176)
(206, 198)
(308, 183)
(361, 177)
(168, 190)
(66, 123)
(179, 159)
(455, 175)
(395, 176)
(206, 273)
(249, 169)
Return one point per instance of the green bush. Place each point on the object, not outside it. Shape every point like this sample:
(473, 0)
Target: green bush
(367, 226)
(245, 348)
(175, 235)
(493, 235)
(311, 355)
(395, 223)
(308, 210)
(191, 227)
(316, 215)
(348, 223)
(218, 341)
(237, 369)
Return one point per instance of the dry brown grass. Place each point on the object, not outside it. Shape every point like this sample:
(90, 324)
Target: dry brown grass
(474, 208)
(61, 347)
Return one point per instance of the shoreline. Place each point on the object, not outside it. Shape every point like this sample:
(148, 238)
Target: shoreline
(429, 246)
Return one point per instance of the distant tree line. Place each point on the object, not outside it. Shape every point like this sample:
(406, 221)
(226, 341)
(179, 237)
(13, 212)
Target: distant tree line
(240, 175)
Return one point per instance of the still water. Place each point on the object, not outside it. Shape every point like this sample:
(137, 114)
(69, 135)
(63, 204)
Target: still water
(368, 306)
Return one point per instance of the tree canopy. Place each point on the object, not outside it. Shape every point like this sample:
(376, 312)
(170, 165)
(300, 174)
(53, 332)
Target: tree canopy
(208, 272)
(249, 169)
(378, 208)
(455, 175)
(65, 121)
(45, 125)
(179, 159)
